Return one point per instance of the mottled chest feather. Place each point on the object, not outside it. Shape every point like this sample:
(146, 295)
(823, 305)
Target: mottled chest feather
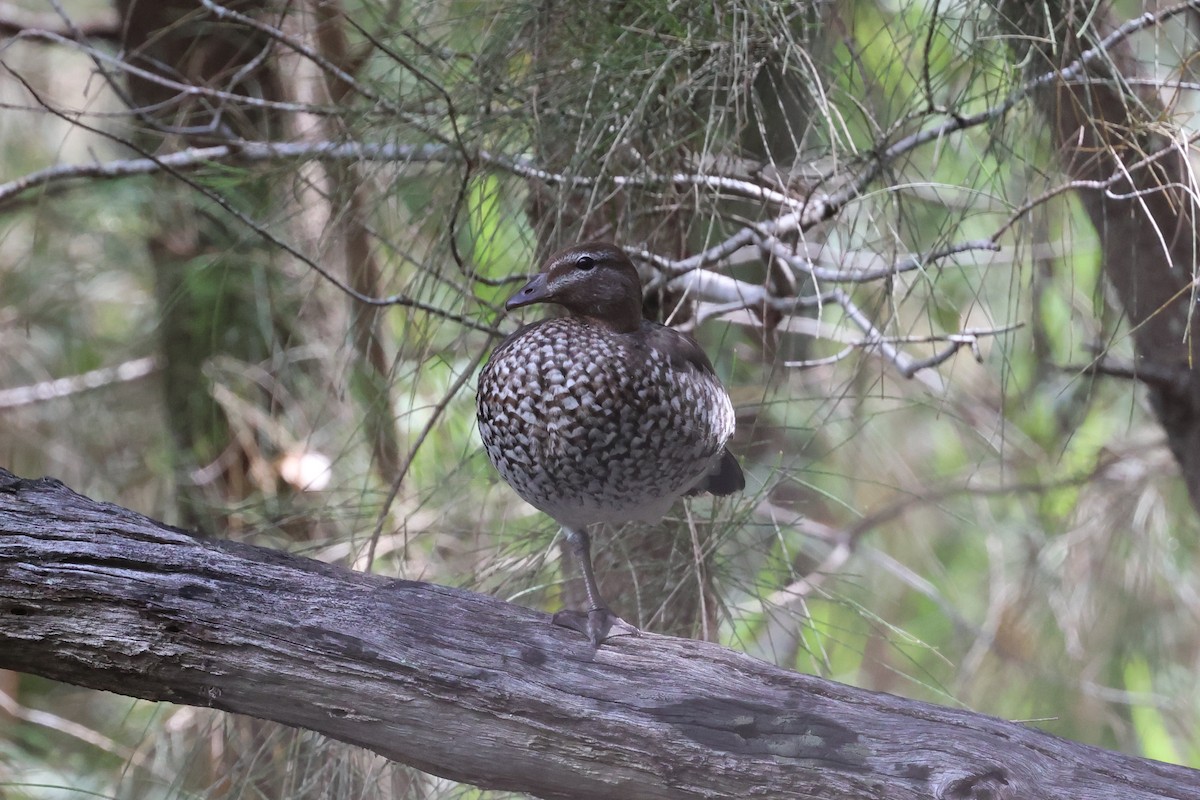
(591, 425)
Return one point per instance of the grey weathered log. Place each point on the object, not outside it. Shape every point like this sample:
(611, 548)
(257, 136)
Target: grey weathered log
(478, 690)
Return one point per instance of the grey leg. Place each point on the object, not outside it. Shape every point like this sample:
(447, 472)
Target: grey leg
(599, 623)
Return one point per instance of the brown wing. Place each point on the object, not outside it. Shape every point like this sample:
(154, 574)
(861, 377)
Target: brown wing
(684, 352)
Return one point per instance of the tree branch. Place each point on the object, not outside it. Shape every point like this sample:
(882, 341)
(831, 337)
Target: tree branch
(101, 24)
(133, 370)
(477, 690)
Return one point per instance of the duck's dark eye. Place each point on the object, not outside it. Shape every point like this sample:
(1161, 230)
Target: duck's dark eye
(585, 263)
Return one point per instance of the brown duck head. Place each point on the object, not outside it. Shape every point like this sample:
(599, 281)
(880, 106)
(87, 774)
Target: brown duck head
(593, 280)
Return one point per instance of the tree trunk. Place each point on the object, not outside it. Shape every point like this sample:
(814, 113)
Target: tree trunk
(477, 690)
(1140, 196)
(210, 282)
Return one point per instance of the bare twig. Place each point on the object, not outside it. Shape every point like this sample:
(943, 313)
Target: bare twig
(100, 25)
(74, 384)
(225, 13)
(1173, 379)
(184, 89)
(87, 735)
(430, 424)
(965, 338)
(913, 262)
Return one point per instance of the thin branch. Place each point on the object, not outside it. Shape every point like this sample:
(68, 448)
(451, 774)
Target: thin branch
(1067, 73)
(184, 89)
(901, 360)
(74, 384)
(1120, 175)
(252, 224)
(87, 735)
(430, 424)
(821, 207)
(101, 24)
(301, 48)
(968, 337)
(847, 540)
(242, 152)
(1163, 376)
(786, 254)
(801, 215)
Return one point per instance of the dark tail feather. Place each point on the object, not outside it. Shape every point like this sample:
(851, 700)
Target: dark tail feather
(724, 478)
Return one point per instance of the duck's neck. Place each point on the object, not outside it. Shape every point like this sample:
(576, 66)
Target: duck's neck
(626, 318)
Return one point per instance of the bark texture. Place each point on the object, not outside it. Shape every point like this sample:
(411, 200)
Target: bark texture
(471, 688)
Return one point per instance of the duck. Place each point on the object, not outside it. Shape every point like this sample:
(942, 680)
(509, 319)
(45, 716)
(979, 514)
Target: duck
(600, 415)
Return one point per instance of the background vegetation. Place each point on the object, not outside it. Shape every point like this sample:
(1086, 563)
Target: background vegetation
(902, 256)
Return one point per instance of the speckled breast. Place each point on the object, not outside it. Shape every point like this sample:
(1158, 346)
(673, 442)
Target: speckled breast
(590, 426)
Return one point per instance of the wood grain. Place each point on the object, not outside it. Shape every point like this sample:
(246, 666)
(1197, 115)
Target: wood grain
(481, 691)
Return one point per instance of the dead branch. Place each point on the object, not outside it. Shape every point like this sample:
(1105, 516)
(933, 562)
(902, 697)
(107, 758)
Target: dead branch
(481, 691)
